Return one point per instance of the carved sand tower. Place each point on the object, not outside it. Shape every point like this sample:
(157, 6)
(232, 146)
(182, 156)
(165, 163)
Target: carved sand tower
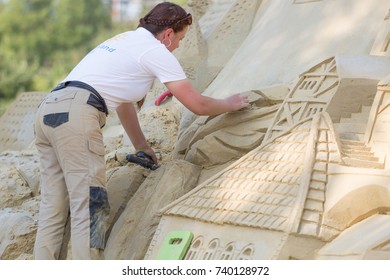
(283, 200)
(301, 174)
(364, 203)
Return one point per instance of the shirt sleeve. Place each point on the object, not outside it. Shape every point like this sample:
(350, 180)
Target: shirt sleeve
(162, 64)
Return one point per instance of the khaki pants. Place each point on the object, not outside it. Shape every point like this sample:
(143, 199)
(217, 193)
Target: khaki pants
(70, 145)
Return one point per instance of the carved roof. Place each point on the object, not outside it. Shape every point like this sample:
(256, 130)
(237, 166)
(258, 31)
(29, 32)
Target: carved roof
(267, 188)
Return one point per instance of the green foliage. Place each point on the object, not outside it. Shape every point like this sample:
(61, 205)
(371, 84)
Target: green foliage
(37, 36)
(180, 2)
(77, 22)
(15, 75)
(42, 40)
(25, 28)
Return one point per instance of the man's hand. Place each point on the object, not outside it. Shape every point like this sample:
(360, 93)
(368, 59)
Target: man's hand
(149, 151)
(238, 101)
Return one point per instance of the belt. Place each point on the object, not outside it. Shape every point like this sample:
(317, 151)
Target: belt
(95, 100)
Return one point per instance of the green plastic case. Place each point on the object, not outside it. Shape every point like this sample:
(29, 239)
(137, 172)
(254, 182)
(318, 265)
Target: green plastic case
(175, 245)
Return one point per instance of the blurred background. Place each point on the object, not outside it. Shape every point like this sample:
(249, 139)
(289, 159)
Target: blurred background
(42, 40)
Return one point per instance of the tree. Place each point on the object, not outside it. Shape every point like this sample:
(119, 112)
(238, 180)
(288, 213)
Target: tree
(77, 22)
(15, 76)
(25, 29)
(35, 33)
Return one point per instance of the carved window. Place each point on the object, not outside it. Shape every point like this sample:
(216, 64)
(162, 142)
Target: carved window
(312, 110)
(211, 250)
(309, 84)
(194, 250)
(247, 253)
(227, 254)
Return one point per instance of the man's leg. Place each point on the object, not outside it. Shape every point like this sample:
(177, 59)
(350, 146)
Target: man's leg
(54, 205)
(81, 149)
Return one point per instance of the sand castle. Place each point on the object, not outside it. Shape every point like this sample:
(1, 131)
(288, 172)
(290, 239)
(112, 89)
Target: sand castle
(301, 174)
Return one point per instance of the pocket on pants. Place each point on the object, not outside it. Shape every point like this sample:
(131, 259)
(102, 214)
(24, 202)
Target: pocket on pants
(96, 146)
(99, 211)
(56, 119)
(57, 97)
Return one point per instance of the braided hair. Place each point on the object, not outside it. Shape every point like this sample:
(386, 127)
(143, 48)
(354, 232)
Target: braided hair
(165, 15)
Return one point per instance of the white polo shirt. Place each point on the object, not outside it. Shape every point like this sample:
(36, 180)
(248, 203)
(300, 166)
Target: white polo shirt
(123, 68)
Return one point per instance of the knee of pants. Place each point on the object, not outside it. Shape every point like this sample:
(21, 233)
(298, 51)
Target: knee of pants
(99, 209)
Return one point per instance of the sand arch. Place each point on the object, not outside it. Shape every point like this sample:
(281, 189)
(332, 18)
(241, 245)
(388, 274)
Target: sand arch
(358, 205)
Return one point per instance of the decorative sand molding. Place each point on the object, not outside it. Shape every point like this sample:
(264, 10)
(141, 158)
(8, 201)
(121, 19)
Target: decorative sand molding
(290, 185)
(16, 125)
(301, 174)
(339, 85)
(294, 189)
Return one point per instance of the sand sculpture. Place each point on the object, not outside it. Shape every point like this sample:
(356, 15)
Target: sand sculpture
(301, 174)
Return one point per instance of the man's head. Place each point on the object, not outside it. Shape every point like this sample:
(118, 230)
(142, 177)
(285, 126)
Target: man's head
(168, 22)
(166, 15)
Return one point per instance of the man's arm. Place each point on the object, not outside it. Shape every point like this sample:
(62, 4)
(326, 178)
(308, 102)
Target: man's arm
(204, 105)
(129, 119)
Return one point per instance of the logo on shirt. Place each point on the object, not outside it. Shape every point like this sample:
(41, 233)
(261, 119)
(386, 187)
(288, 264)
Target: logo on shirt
(106, 48)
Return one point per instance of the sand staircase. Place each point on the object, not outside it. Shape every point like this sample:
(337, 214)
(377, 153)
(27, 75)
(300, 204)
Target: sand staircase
(355, 152)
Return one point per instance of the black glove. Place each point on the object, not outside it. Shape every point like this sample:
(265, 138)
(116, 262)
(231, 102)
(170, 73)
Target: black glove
(143, 159)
